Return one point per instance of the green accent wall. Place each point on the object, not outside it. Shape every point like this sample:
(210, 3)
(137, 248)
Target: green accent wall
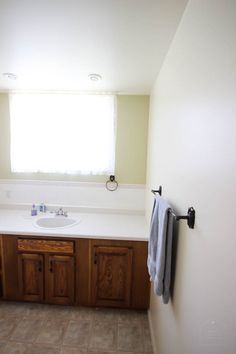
(131, 144)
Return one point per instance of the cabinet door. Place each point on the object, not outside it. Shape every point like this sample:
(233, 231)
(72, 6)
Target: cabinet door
(0, 266)
(30, 277)
(60, 279)
(111, 276)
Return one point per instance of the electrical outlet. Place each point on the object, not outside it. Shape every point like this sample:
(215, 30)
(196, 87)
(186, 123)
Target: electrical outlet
(8, 194)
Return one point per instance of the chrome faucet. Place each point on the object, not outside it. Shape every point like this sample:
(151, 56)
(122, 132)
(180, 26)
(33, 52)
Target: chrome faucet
(61, 212)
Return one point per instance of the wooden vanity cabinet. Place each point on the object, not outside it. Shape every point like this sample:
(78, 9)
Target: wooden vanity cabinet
(31, 277)
(86, 272)
(39, 270)
(0, 266)
(59, 279)
(112, 276)
(46, 277)
(119, 275)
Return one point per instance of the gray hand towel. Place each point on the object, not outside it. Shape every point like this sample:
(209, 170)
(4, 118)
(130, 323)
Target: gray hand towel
(160, 247)
(152, 244)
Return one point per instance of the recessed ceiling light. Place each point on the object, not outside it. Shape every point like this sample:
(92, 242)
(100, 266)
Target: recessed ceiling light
(10, 76)
(95, 77)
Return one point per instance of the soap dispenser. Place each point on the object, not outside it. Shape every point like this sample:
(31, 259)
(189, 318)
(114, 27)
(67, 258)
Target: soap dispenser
(33, 210)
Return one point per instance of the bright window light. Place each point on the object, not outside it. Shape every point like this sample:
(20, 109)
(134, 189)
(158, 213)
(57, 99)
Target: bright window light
(62, 133)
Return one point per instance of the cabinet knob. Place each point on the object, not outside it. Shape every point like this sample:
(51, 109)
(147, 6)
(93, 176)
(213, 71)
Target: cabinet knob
(95, 260)
(40, 266)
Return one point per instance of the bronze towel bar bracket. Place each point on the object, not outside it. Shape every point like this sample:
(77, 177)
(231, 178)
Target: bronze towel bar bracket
(154, 191)
(190, 217)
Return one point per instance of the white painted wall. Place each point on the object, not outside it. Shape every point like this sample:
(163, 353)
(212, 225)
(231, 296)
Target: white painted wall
(192, 154)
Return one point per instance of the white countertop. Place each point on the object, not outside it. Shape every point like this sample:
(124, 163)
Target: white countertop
(90, 225)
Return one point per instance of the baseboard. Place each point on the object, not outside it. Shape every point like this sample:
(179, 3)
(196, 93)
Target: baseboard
(155, 351)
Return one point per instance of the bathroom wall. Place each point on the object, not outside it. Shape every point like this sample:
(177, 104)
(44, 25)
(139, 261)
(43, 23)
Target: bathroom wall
(192, 154)
(86, 196)
(131, 144)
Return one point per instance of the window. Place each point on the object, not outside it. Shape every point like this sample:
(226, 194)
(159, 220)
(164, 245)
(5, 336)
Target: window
(62, 133)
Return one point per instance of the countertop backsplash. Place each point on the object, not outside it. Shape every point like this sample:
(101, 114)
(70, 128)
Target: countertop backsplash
(75, 196)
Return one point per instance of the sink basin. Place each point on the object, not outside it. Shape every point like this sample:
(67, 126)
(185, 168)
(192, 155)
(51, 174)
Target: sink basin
(55, 222)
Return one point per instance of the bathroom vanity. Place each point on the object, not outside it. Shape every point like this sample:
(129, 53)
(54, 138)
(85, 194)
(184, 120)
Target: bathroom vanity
(85, 272)
(74, 269)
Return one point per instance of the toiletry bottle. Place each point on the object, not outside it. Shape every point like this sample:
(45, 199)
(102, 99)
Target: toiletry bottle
(42, 208)
(33, 210)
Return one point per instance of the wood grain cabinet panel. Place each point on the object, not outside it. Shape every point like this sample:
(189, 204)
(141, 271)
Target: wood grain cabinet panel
(45, 246)
(119, 275)
(44, 276)
(60, 279)
(0, 266)
(111, 276)
(30, 277)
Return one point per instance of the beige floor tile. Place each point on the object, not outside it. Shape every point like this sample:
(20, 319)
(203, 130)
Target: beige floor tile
(127, 353)
(70, 350)
(77, 334)
(2, 344)
(94, 351)
(79, 330)
(2, 309)
(27, 330)
(82, 313)
(103, 336)
(14, 348)
(105, 315)
(58, 312)
(7, 325)
(42, 349)
(147, 341)
(12, 309)
(131, 317)
(38, 311)
(130, 338)
(52, 332)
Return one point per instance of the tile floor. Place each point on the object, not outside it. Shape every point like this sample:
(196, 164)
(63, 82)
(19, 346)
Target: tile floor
(48, 329)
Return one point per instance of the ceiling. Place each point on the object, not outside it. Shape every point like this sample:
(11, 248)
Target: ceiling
(56, 44)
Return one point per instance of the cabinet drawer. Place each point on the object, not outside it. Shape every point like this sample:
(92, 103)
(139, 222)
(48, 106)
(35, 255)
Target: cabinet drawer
(45, 246)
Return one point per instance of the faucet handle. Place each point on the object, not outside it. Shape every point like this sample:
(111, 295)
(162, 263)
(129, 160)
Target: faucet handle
(61, 212)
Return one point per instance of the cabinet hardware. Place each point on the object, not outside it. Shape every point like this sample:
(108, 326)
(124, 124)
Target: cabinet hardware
(51, 269)
(40, 266)
(95, 260)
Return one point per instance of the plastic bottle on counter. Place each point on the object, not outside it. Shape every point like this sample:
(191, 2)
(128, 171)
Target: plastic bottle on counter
(33, 210)
(42, 208)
